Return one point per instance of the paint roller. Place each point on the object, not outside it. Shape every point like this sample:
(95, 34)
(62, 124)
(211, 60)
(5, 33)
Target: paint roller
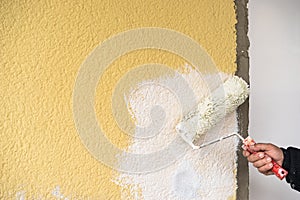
(211, 110)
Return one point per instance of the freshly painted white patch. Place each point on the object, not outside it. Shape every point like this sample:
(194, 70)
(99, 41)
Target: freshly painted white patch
(207, 173)
(21, 195)
(57, 193)
(186, 181)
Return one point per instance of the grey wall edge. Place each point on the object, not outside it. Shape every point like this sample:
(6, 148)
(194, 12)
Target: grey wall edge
(242, 60)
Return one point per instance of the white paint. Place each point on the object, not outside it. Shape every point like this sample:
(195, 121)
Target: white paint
(21, 195)
(186, 181)
(208, 172)
(212, 109)
(57, 193)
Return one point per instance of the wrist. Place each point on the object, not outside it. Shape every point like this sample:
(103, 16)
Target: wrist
(284, 155)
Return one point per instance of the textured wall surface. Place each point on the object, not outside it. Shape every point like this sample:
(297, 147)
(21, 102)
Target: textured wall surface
(44, 43)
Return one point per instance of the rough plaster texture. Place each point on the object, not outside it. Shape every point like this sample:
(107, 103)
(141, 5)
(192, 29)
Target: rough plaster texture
(243, 111)
(208, 173)
(43, 44)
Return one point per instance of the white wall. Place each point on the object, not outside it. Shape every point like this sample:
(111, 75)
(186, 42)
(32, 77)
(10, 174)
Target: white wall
(274, 33)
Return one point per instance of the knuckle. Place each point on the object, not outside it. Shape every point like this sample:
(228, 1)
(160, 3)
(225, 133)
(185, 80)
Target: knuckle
(269, 145)
(250, 159)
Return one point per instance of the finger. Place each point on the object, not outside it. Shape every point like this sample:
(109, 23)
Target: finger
(246, 153)
(269, 173)
(261, 147)
(262, 162)
(255, 157)
(265, 169)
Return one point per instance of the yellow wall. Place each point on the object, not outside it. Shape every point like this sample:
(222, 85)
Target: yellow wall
(43, 44)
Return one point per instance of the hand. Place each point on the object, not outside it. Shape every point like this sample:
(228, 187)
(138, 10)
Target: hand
(263, 157)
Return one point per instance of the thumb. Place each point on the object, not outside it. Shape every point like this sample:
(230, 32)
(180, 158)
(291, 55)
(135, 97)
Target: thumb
(261, 147)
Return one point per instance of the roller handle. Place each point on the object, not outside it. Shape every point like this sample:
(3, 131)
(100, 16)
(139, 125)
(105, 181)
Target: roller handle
(276, 169)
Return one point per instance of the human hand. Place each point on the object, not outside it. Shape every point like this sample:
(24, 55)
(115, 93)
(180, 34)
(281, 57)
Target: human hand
(262, 159)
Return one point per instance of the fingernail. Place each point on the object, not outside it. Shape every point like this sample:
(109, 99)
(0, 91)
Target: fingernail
(269, 159)
(271, 165)
(261, 155)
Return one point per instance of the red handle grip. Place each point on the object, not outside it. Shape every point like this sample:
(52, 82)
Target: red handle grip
(276, 169)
